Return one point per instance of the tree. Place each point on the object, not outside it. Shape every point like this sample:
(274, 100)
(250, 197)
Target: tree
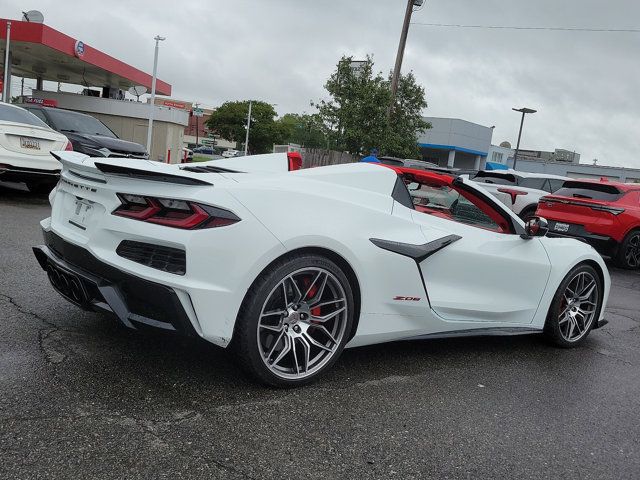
(355, 116)
(230, 120)
(305, 130)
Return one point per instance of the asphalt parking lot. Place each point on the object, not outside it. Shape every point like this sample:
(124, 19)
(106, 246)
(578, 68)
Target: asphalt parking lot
(81, 396)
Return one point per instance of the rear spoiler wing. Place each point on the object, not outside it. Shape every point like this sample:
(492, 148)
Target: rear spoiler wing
(91, 168)
(268, 162)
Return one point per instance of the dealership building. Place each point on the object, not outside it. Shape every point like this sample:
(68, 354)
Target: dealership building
(453, 142)
(37, 51)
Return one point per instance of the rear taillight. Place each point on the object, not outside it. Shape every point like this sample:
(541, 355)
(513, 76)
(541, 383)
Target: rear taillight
(68, 147)
(513, 193)
(295, 161)
(173, 213)
(606, 208)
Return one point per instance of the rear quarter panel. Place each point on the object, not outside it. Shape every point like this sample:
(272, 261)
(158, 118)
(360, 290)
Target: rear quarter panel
(564, 254)
(313, 214)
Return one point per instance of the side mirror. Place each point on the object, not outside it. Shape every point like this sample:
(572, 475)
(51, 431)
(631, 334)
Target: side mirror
(535, 227)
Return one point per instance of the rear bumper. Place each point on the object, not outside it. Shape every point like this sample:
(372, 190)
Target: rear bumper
(93, 285)
(21, 174)
(603, 244)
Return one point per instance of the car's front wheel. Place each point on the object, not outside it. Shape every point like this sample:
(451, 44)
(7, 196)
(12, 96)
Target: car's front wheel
(575, 307)
(294, 321)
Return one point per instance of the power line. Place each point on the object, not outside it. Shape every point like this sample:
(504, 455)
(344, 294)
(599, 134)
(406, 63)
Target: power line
(513, 27)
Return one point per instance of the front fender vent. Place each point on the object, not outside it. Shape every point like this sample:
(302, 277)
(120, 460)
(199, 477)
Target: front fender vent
(167, 259)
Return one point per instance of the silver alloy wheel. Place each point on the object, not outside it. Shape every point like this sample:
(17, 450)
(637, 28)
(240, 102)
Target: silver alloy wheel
(632, 253)
(578, 306)
(302, 323)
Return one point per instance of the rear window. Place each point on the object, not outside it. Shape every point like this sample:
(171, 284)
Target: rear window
(591, 191)
(496, 178)
(19, 115)
(532, 182)
(555, 184)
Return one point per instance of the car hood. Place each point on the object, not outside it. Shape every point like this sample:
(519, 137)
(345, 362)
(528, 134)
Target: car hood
(114, 144)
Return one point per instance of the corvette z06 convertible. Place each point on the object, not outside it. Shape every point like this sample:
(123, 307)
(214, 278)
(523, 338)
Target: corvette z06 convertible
(287, 267)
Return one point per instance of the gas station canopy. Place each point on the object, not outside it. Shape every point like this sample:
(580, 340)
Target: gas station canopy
(40, 52)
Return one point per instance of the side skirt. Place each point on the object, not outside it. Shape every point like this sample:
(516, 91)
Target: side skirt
(480, 332)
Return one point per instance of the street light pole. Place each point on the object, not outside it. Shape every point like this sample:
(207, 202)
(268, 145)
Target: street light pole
(395, 79)
(6, 83)
(246, 138)
(524, 111)
(158, 39)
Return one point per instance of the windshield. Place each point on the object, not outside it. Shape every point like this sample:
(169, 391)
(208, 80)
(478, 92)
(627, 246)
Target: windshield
(9, 113)
(66, 121)
(591, 191)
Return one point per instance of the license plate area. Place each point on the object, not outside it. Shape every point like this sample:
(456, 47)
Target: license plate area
(561, 227)
(81, 212)
(29, 143)
(67, 284)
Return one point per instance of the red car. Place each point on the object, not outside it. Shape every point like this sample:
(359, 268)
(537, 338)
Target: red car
(605, 214)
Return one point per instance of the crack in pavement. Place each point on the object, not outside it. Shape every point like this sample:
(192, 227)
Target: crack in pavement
(611, 355)
(52, 356)
(154, 430)
(23, 310)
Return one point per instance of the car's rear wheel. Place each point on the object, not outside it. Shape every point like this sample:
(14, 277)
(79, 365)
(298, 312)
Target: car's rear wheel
(528, 212)
(628, 255)
(294, 321)
(575, 308)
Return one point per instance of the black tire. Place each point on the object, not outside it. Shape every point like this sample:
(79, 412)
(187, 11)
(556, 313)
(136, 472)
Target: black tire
(552, 328)
(246, 337)
(628, 254)
(41, 188)
(528, 212)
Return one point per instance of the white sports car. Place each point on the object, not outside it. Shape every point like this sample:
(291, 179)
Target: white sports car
(25, 143)
(287, 268)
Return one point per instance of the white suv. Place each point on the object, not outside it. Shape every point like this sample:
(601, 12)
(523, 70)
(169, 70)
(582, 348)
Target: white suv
(520, 191)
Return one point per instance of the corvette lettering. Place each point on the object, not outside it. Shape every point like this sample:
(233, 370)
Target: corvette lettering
(75, 185)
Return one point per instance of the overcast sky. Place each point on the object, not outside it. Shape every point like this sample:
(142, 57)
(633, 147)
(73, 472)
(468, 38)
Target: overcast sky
(585, 86)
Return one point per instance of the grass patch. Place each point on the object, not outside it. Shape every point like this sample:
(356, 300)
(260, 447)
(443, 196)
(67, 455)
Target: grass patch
(201, 158)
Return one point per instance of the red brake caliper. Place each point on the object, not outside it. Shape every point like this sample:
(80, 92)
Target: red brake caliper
(314, 311)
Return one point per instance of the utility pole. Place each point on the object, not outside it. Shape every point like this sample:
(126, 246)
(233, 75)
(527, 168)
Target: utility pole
(400, 55)
(524, 111)
(158, 39)
(246, 138)
(197, 127)
(6, 81)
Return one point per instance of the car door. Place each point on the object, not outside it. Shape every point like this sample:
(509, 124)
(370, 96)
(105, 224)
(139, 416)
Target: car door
(485, 272)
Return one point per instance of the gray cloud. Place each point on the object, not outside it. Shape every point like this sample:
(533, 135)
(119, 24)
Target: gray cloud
(583, 84)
